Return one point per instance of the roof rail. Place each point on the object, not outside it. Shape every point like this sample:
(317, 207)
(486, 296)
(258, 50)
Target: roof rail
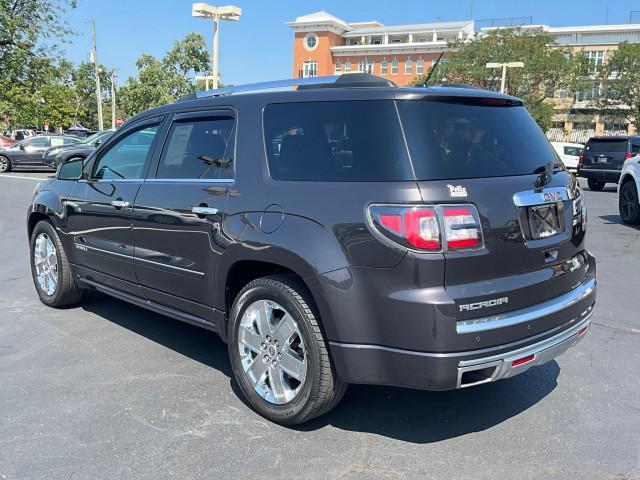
(334, 81)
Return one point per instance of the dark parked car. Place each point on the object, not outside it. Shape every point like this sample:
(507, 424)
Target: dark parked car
(346, 232)
(54, 156)
(602, 159)
(28, 153)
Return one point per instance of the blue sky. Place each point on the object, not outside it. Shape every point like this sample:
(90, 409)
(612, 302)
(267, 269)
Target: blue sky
(259, 46)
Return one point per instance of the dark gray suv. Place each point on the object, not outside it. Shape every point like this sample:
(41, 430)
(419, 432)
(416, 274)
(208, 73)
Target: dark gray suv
(347, 231)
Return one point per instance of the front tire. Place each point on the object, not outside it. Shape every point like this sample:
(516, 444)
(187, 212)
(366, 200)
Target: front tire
(628, 204)
(5, 164)
(595, 185)
(278, 353)
(50, 268)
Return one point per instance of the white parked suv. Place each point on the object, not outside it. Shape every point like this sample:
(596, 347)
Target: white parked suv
(628, 188)
(569, 153)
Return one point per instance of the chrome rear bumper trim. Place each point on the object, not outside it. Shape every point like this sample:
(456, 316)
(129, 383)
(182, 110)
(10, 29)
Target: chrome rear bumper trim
(542, 352)
(528, 314)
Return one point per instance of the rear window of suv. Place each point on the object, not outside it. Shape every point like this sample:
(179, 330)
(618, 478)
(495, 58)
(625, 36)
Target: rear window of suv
(471, 139)
(608, 146)
(336, 141)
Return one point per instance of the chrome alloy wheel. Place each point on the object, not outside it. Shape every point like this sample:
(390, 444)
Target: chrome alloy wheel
(45, 260)
(272, 351)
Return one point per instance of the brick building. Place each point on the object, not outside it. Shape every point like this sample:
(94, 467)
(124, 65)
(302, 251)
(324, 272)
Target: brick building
(326, 45)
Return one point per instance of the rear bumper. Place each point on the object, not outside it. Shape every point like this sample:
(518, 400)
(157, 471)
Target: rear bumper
(505, 365)
(446, 370)
(600, 174)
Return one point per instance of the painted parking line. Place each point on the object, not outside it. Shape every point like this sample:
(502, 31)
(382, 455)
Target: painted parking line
(37, 179)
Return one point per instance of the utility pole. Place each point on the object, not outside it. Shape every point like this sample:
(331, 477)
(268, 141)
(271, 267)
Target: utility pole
(113, 98)
(97, 70)
(504, 66)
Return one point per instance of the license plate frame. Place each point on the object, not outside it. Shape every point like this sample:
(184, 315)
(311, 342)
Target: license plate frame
(545, 220)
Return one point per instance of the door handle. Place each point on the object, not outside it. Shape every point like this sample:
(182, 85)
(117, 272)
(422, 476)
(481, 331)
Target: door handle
(120, 204)
(202, 210)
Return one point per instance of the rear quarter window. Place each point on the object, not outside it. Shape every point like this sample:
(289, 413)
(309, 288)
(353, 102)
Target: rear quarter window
(337, 141)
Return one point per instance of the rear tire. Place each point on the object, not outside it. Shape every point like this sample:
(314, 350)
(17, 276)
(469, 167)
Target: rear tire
(628, 204)
(50, 269)
(252, 352)
(595, 185)
(5, 164)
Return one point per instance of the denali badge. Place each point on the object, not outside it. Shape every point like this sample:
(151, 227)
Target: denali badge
(551, 196)
(494, 302)
(457, 191)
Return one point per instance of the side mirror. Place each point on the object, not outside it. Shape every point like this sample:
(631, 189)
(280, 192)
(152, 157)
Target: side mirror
(21, 147)
(71, 170)
(97, 142)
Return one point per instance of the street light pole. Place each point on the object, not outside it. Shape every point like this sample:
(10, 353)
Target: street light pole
(504, 66)
(229, 13)
(214, 54)
(97, 71)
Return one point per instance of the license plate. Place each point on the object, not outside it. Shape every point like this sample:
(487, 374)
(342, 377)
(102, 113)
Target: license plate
(544, 221)
(602, 160)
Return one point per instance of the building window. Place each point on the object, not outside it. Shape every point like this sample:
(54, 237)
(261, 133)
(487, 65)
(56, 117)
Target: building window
(310, 69)
(587, 91)
(347, 67)
(394, 66)
(420, 66)
(338, 67)
(383, 67)
(408, 66)
(596, 58)
(365, 66)
(310, 42)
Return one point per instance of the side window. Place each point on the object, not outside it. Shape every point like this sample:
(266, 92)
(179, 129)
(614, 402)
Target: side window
(56, 141)
(36, 142)
(635, 148)
(68, 140)
(335, 141)
(573, 151)
(201, 148)
(126, 158)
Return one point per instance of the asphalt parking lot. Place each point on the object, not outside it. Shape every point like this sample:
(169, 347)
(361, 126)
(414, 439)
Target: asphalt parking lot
(108, 390)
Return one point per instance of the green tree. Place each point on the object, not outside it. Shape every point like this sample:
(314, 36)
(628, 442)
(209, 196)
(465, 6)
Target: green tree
(621, 82)
(164, 81)
(30, 34)
(84, 90)
(546, 67)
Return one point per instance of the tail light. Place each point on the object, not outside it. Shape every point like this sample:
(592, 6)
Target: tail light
(581, 159)
(628, 155)
(429, 228)
(462, 228)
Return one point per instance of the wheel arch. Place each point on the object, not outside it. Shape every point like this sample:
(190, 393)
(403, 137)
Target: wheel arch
(241, 267)
(45, 206)
(629, 176)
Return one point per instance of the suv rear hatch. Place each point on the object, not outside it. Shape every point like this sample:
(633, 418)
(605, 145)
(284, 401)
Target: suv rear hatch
(605, 153)
(491, 154)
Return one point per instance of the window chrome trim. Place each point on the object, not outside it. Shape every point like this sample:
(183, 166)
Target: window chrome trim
(190, 180)
(528, 314)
